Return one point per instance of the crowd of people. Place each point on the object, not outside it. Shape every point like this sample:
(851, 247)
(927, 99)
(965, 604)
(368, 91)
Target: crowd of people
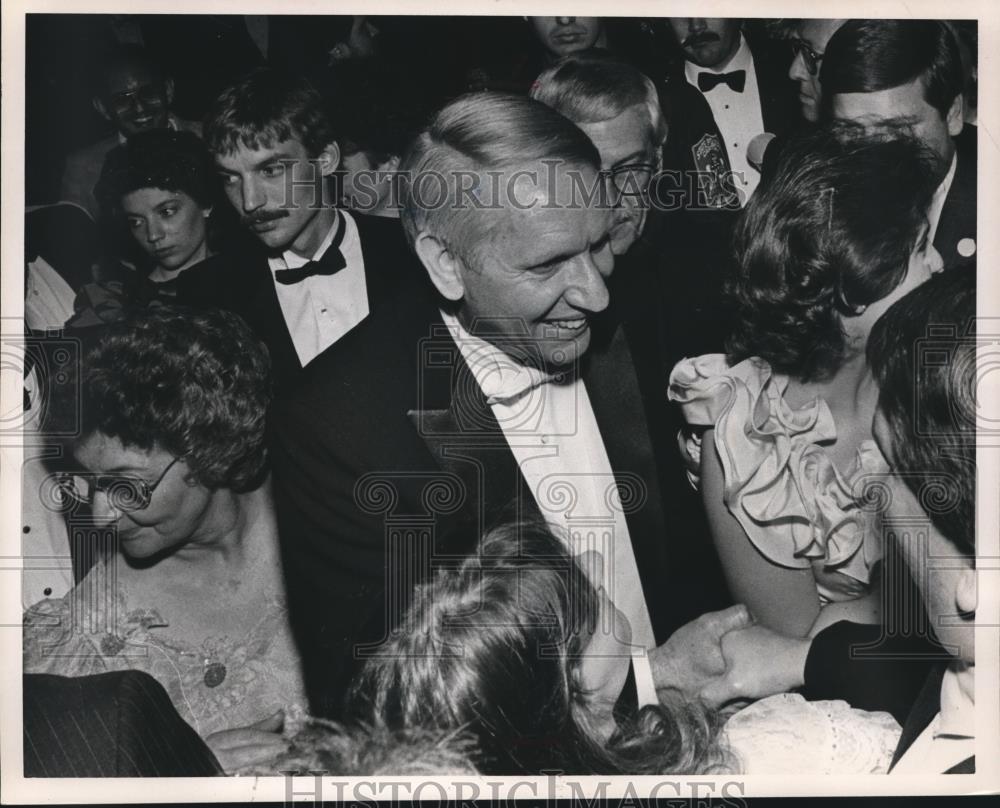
(556, 403)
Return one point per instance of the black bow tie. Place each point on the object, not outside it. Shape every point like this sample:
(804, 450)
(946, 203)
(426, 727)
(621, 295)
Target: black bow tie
(736, 80)
(329, 263)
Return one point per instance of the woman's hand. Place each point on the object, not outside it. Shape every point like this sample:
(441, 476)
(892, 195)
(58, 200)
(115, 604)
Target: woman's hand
(253, 745)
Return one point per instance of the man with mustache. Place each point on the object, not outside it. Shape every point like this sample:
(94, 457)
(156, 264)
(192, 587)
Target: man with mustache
(315, 271)
(724, 91)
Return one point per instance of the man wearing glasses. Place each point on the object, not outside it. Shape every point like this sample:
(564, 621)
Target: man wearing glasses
(618, 109)
(809, 40)
(890, 74)
(133, 95)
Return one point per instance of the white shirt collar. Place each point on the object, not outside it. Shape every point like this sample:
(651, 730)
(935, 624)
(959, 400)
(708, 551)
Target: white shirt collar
(958, 710)
(742, 60)
(290, 259)
(938, 200)
(500, 376)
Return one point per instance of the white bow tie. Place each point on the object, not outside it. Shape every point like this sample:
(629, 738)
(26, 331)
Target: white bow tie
(504, 380)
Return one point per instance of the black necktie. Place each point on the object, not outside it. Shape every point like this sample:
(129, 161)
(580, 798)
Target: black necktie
(329, 263)
(735, 80)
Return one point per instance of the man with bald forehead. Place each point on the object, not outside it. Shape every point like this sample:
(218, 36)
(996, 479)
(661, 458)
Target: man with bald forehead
(508, 390)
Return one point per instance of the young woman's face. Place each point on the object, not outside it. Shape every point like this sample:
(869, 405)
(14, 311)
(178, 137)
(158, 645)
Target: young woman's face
(168, 225)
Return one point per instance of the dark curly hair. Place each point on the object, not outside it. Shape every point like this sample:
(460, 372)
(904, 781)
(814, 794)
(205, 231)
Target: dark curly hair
(161, 158)
(830, 230)
(266, 108)
(193, 383)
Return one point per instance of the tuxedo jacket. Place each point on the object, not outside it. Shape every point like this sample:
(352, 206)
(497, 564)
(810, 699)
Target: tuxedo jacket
(957, 225)
(698, 235)
(242, 282)
(119, 724)
(388, 463)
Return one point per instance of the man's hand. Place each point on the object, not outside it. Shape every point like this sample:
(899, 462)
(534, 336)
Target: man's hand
(758, 662)
(256, 744)
(693, 656)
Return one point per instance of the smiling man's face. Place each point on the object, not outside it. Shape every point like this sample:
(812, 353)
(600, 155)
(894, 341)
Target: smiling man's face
(534, 287)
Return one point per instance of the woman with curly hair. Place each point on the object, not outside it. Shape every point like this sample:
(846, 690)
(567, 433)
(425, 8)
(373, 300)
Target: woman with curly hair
(158, 195)
(169, 456)
(780, 429)
(162, 185)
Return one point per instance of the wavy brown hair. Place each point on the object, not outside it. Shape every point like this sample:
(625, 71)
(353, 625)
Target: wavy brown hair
(491, 646)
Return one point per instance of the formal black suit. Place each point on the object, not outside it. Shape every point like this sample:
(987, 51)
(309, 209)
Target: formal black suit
(242, 282)
(118, 724)
(388, 454)
(698, 232)
(873, 670)
(957, 225)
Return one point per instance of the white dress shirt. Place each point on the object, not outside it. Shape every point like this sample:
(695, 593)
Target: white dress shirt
(937, 201)
(321, 309)
(951, 737)
(738, 115)
(554, 436)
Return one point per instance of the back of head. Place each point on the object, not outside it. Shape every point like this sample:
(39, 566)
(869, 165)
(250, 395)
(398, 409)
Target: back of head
(922, 352)
(829, 231)
(592, 89)
(485, 646)
(486, 137)
(266, 108)
(867, 56)
(161, 158)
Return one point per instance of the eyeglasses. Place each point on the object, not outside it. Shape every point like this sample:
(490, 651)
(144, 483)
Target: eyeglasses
(810, 58)
(151, 95)
(124, 493)
(631, 179)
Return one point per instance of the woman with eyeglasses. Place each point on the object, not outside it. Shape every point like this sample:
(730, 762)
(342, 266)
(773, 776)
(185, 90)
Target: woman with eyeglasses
(779, 430)
(168, 413)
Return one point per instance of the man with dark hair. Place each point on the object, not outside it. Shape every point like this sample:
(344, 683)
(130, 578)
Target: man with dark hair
(134, 95)
(909, 73)
(315, 271)
(506, 390)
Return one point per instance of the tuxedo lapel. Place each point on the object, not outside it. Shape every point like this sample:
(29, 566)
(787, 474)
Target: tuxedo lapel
(958, 215)
(927, 705)
(464, 438)
(264, 314)
(615, 395)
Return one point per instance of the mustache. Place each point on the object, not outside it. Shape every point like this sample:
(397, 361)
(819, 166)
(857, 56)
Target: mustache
(263, 216)
(701, 38)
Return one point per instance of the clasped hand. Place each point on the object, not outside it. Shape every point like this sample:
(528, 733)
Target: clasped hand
(722, 656)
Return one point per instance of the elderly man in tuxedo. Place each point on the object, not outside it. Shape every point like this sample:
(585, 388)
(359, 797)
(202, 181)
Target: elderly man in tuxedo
(507, 389)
